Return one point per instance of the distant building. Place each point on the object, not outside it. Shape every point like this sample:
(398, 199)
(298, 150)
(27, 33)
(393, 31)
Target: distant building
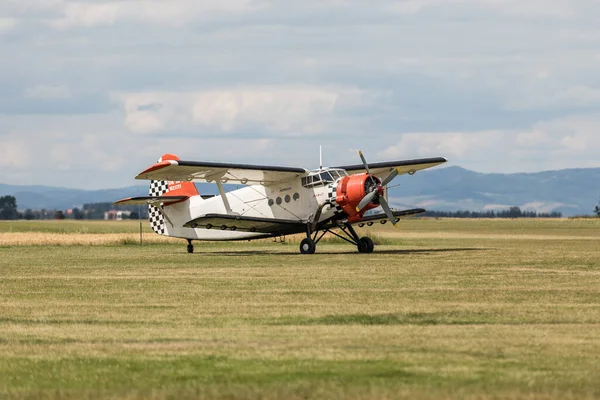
(116, 215)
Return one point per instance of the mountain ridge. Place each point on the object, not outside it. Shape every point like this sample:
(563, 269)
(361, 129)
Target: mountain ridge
(572, 191)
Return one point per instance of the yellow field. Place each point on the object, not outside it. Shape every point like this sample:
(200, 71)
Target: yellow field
(443, 309)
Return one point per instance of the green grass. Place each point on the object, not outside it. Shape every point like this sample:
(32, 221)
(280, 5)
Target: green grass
(486, 310)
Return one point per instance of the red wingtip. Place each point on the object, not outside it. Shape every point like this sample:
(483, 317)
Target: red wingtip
(157, 166)
(168, 156)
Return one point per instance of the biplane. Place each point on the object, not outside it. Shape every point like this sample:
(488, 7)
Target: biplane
(274, 201)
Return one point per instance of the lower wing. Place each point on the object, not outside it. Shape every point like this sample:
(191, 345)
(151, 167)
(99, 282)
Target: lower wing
(381, 217)
(246, 224)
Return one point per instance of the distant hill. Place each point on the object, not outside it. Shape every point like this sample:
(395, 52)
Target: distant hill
(55, 198)
(571, 191)
(39, 197)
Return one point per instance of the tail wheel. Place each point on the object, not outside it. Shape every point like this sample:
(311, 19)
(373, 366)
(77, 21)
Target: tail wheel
(307, 246)
(365, 245)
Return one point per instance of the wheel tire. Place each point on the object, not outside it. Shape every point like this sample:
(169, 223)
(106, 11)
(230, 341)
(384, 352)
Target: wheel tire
(308, 246)
(365, 245)
(190, 248)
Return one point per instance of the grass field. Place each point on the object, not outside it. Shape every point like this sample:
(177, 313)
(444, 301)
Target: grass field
(443, 309)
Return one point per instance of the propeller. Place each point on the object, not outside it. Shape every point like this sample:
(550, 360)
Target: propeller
(375, 192)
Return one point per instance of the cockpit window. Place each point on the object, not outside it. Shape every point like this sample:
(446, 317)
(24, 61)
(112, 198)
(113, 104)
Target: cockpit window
(311, 180)
(323, 177)
(326, 177)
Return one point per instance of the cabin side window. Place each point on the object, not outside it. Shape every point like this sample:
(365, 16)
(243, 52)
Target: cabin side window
(311, 180)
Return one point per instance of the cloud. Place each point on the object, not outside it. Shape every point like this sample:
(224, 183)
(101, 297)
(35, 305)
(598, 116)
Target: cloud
(174, 12)
(283, 110)
(562, 9)
(7, 24)
(551, 144)
(542, 206)
(494, 85)
(48, 92)
(14, 152)
(574, 96)
(454, 145)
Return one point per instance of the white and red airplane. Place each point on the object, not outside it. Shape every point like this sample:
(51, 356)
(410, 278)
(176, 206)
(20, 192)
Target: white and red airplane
(276, 201)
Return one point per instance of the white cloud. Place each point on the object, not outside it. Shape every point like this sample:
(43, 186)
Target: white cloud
(545, 98)
(557, 8)
(553, 144)
(454, 145)
(14, 152)
(48, 92)
(286, 110)
(7, 24)
(466, 79)
(173, 12)
(496, 207)
(542, 206)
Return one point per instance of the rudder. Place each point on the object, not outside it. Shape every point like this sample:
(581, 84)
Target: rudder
(173, 188)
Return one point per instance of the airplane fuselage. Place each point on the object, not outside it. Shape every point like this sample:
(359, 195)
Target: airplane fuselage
(291, 200)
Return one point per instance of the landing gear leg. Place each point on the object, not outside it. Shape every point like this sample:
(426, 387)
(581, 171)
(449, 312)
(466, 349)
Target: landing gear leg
(364, 244)
(308, 245)
(190, 246)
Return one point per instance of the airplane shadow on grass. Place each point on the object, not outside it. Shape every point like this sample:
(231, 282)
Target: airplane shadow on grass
(376, 252)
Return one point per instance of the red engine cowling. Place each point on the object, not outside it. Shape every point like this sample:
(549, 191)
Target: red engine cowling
(351, 190)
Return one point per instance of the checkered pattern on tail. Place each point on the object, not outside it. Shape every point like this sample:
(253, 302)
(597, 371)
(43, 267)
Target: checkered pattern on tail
(157, 222)
(332, 194)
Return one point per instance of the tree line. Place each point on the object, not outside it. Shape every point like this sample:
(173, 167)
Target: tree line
(512, 212)
(9, 211)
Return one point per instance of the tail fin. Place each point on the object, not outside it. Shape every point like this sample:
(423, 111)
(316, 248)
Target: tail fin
(160, 188)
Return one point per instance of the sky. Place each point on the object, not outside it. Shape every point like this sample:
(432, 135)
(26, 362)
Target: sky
(94, 91)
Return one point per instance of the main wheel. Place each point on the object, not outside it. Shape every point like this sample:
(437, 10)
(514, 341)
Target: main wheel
(365, 245)
(190, 248)
(307, 246)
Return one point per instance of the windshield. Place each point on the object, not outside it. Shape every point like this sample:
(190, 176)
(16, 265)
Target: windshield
(323, 177)
(326, 177)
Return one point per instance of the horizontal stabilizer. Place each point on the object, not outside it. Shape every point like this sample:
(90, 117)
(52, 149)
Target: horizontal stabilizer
(150, 200)
(246, 224)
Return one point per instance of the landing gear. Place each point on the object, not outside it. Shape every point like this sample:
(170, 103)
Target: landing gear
(365, 245)
(190, 246)
(308, 246)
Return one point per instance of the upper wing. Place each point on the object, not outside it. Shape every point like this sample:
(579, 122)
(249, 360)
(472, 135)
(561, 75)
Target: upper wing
(404, 167)
(246, 224)
(179, 170)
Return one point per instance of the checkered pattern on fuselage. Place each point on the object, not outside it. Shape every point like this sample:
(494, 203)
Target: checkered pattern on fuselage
(157, 222)
(332, 194)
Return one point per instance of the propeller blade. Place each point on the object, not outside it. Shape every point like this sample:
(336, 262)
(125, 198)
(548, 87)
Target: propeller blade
(388, 211)
(390, 177)
(366, 200)
(364, 162)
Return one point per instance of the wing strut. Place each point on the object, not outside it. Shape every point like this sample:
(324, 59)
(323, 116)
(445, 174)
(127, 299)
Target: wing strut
(216, 178)
(224, 197)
